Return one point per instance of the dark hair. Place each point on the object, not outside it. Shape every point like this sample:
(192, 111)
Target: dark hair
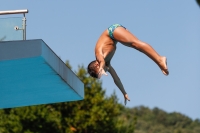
(92, 69)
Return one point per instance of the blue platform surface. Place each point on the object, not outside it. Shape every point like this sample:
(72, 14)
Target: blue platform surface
(32, 74)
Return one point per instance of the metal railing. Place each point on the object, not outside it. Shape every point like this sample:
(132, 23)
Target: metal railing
(24, 11)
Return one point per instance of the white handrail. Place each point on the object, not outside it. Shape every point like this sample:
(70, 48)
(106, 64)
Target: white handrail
(14, 12)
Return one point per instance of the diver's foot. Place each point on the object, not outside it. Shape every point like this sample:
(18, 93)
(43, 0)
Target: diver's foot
(163, 65)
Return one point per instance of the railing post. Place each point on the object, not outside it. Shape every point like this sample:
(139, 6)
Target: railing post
(24, 27)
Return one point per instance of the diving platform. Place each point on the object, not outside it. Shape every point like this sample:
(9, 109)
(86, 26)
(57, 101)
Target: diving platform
(32, 74)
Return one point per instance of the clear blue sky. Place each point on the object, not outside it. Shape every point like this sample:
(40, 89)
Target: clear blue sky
(71, 29)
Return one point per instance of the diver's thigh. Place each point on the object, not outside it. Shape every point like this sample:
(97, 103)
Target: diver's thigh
(124, 36)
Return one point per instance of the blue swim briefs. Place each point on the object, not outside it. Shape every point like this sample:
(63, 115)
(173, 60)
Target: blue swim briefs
(112, 28)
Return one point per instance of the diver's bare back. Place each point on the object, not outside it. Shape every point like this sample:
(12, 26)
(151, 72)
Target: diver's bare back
(105, 46)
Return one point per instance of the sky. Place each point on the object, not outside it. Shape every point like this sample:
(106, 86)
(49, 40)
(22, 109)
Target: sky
(72, 28)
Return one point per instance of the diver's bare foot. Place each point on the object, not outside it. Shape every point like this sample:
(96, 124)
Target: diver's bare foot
(163, 65)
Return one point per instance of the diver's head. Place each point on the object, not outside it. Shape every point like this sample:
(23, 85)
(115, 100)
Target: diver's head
(93, 69)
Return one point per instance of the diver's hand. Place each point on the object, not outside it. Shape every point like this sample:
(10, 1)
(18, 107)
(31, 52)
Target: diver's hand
(126, 98)
(101, 72)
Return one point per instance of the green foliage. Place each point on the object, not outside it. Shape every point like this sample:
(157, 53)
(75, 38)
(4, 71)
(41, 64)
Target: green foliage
(198, 2)
(97, 113)
(126, 122)
(158, 121)
(68, 64)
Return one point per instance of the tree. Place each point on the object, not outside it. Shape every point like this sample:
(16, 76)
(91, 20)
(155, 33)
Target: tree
(96, 113)
(198, 2)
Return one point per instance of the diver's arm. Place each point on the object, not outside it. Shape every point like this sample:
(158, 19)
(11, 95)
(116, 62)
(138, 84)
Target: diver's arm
(118, 82)
(116, 79)
(101, 61)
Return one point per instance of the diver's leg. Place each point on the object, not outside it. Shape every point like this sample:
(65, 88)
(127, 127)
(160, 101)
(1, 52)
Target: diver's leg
(127, 38)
